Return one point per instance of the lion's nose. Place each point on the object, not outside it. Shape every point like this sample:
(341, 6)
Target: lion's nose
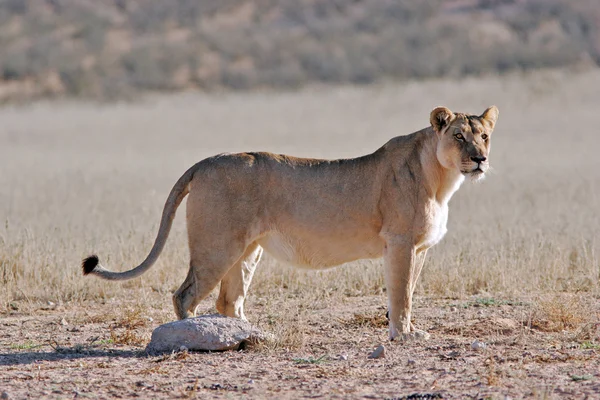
(479, 159)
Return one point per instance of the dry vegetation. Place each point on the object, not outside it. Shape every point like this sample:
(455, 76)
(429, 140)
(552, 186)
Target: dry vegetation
(518, 269)
(115, 48)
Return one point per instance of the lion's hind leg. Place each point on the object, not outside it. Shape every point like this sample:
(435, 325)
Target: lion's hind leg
(182, 298)
(193, 290)
(206, 271)
(235, 284)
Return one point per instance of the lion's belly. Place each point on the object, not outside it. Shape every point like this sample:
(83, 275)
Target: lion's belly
(319, 252)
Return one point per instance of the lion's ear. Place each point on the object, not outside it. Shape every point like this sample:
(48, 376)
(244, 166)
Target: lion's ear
(440, 117)
(490, 116)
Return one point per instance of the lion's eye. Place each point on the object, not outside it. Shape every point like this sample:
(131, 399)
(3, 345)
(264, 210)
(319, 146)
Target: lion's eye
(459, 137)
(484, 136)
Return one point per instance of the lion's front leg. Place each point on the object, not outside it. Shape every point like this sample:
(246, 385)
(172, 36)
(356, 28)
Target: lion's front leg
(417, 334)
(419, 262)
(401, 264)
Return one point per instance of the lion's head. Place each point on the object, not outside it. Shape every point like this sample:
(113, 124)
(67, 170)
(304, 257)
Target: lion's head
(464, 143)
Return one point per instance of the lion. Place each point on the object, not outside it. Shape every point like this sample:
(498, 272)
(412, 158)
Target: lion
(316, 214)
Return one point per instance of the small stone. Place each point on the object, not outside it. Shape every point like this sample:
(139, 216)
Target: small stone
(411, 362)
(478, 346)
(453, 309)
(343, 357)
(150, 319)
(379, 352)
(4, 396)
(183, 348)
(51, 304)
(421, 335)
(251, 382)
(64, 322)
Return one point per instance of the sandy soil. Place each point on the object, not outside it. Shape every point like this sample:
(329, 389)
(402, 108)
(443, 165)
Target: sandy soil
(64, 351)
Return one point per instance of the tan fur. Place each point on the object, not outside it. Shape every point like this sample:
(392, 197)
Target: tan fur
(321, 213)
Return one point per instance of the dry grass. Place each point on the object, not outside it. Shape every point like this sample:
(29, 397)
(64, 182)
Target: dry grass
(287, 326)
(126, 328)
(374, 320)
(492, 375)
(131, 319)
(559, 313)
(128, 337)
(83, 178)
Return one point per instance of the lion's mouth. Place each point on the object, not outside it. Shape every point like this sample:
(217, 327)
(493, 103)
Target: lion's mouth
(474, 172)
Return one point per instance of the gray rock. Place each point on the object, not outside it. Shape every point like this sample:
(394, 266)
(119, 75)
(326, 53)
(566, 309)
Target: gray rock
(205, 333)
(478, 346)
(379, 352)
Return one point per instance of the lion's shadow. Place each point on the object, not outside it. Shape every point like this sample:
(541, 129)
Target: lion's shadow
(24, 358)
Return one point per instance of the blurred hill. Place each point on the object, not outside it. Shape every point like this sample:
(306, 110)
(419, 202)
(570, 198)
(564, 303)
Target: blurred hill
(115, 48)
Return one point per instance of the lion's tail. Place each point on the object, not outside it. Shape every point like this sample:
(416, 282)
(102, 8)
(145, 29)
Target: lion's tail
(91, 265)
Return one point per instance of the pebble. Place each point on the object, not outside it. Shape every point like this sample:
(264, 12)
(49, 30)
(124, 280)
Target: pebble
(379, 352)
(343, 357)
(453, 309)
(183, 348)
(4, 395)
(411, 362)
(478, 346)
(64, 322)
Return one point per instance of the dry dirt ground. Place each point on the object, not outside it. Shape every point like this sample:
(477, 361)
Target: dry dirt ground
(97, 351)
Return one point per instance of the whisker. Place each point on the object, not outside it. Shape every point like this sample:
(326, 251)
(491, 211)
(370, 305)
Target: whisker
(491, 170)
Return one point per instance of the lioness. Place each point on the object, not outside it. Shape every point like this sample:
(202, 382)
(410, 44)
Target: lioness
(321, 213)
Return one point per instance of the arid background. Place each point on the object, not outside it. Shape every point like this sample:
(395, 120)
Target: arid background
(518, 270)
(107, 49)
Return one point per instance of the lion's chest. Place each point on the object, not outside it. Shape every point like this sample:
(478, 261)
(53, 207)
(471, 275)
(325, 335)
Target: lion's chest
(433, 225)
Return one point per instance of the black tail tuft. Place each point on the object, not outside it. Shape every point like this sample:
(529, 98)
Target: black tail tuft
(89, 264)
